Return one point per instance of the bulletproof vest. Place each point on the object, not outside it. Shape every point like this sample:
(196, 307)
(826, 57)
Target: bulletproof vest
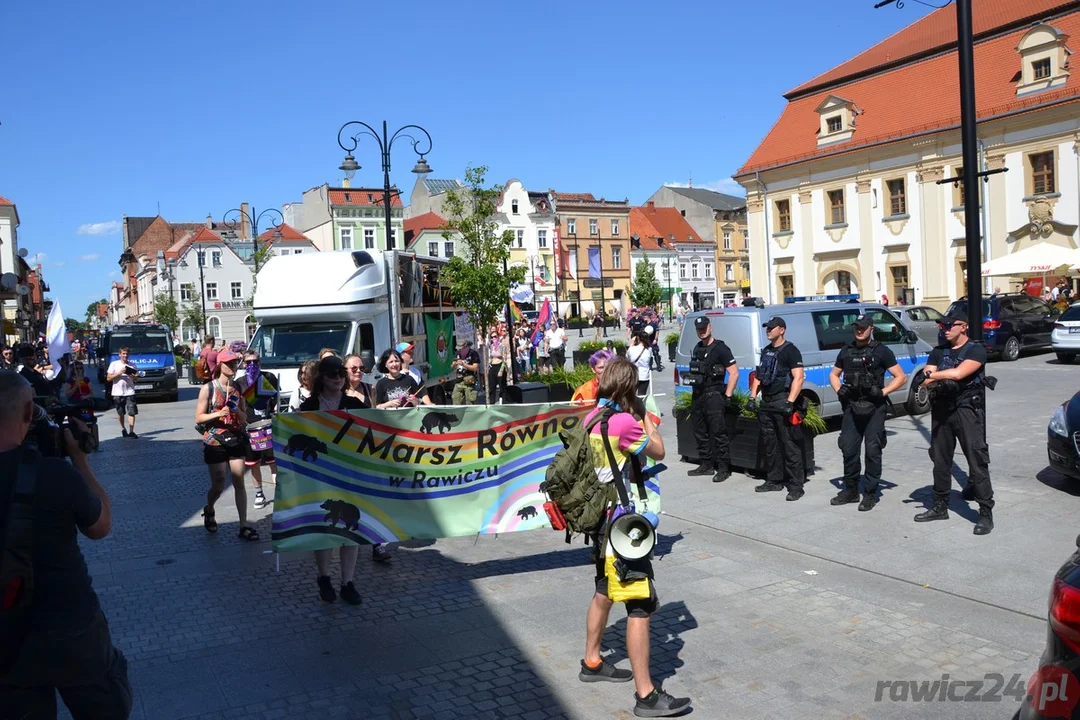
(703, 364)
(950, 359)
(771, 372)
(861, 367)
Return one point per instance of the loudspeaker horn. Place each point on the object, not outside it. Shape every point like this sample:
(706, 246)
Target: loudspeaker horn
(632, 537)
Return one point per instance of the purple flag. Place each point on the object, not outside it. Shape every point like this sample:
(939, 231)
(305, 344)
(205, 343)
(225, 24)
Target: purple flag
(594, 263)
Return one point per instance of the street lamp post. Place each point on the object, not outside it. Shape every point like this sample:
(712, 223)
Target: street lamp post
(600, 258)
(200, 257)
(670, 295)
(253, 223)
(348, 143)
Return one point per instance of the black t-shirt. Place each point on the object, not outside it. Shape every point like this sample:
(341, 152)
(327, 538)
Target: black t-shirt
(787, 357)
(388, 389)
(715, 353)
(471, 358)
(63, 597)
(37, 381)
(968, 351)
(885, 357)
(348, 402)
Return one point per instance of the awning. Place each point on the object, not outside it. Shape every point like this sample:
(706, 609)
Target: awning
(1041, 259)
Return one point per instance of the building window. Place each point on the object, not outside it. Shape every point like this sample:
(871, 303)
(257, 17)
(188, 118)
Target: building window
(369, 238)
(787, 286)
(594, 228)
(544, 273)
(834, 124)
(843, 282)
(1041, 69)
(693, 271)
(433, 248)
(448, 248)
(899, 276)
(745, 269)
(571, 226)
(541, 238)
(1042, 173)
(213, 327)
(897, 197)
(727, 240)
(211, 292)
(514, 207)
(346, 238)
(616, 258)
(393, 237)
(729, 273)
(682, 271)
(708, 270)
(614, 228)
(201, 254)
(297, 251)
(187, 291)
(236, 290)
(783, 215)
(836, 206)
(519, 238)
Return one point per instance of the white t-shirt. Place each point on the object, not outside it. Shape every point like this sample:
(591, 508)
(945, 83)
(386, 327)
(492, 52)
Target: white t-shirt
(641, 357)
(124, 385)
(556, 338)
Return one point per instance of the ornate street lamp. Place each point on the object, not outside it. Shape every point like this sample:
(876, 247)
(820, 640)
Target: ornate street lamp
(253, 223)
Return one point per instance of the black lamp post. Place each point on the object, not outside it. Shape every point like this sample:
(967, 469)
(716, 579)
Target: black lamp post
(670, 294)
(253, 223)
(349, 166)
(200, 257)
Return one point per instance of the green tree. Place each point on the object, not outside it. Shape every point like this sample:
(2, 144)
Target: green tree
(167, 310)
(74, 326)
(478, 277)
(645, 290)
(192, 313)
(91, 309)
(261, 256)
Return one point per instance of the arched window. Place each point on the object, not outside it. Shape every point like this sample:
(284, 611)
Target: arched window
(213, 327)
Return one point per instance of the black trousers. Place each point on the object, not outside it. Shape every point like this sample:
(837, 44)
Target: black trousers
(783, 446)
(856, 430)
(655, 359)
(496, 385)
(966, 424)
(710, 429)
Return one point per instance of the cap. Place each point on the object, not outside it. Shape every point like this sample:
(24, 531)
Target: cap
(863, 321)
(701, 322)
(330, 364)
(775, 323)
(957, 316)
(226, 356)
(404, 347)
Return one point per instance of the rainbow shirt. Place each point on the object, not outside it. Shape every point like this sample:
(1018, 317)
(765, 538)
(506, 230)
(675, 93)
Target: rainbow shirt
(625, 435)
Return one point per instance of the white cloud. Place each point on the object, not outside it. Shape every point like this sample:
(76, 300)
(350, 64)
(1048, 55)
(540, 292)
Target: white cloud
(101, 228)
(728, 186)
(58, 263)
(114, 274)
(89, 258)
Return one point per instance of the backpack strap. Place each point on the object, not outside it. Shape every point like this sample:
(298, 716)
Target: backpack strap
(620, 487)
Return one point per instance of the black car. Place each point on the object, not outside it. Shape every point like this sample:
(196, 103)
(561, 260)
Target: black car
(1063, 438)
(1011, 322)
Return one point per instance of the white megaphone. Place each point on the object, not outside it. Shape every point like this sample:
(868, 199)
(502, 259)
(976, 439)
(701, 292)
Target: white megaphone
(632, 536)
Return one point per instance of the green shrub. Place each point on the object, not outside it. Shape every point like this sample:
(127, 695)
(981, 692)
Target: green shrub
(591, 346)
(671, 339)
(619, 345)
(812, 422)
(574, 377)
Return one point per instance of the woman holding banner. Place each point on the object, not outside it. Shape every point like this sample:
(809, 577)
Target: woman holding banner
(328, 393)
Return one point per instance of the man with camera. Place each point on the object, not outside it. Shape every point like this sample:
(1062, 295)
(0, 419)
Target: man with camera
(32, 370)
(863, 363)
(710, 362)
(466, 364)
(53, 635)
(122, 377)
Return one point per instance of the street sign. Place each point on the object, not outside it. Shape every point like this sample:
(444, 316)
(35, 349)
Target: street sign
(595, 283)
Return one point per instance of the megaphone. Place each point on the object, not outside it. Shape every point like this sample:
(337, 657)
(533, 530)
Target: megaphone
(632, 536)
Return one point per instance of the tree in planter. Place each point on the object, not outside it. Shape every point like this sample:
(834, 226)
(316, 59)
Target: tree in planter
(167, 310)
(645, 290)
(478, 277)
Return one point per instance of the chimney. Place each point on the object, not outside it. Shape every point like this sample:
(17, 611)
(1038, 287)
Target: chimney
(209, 221)
(245, 225)
(652, 207)
(346, 183)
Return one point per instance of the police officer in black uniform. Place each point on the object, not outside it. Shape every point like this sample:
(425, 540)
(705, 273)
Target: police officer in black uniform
(779, 377)
(955, 377)
(863, 363)
(710, 361)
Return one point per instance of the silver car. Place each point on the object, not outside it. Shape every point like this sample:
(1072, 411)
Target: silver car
(923, 319)
(1065, 337)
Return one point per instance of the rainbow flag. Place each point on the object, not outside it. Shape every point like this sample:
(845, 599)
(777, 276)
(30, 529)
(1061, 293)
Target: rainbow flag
(259, 392)
(515, 313)
(541, 322)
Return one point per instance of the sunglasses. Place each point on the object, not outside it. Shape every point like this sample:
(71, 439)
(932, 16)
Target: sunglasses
(232, 363)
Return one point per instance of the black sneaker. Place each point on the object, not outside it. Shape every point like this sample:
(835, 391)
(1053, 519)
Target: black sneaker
(721, 476)
(769, 487)
(660, 704)
(702, 469)
(940, 511)
(845, 496)
(968, 493)
(868, 503)
(349, 594)
(131, 434)
(326, 589)
(605, 673)
(794, 494)
(125, 433)
(986, 522)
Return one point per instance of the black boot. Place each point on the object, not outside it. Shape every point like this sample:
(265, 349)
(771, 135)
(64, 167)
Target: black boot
(868, 502)
(940, 511)
(702, 469)
(769, 487)
(721, 475)
(986, 521)
(845, 496)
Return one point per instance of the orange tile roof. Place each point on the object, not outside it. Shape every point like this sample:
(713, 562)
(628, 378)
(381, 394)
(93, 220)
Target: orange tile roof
(360, 197)
(574, 197)
(205, 234)
(427, 221)
(7, 203)
(650, 222)
(935, 33)
(288, 232)
(919, 98)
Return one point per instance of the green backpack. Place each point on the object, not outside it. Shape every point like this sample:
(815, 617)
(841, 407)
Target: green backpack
(578, 501)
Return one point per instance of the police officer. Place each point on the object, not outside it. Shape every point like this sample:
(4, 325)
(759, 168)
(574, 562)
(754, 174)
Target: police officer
(710, 361)
(863, 363)
(779, 378)
(955, 378)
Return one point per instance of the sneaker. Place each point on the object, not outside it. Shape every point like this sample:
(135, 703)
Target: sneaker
(605, 673)
(794, 494)
(326, 589)
(125, 433)
(379, 553)
(986, 522)
(350, 595)
(769, 487)
(131, 434)
(260, 500)
(702, 469)
(845, 496)
(721, 476)
(659, 704)
(968, 493)
(868, 503)
(940, 511)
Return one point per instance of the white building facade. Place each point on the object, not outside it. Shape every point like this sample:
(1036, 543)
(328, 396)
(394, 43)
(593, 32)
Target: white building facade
(529, 216)
(225, 287)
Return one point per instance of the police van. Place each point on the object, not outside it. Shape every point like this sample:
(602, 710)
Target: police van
(150, 351)
(819, 327)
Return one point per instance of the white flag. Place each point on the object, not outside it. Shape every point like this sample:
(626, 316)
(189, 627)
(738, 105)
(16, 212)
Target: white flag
(56, 336)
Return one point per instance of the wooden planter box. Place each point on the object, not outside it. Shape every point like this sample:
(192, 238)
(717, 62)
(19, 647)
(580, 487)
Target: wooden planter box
(744, 436)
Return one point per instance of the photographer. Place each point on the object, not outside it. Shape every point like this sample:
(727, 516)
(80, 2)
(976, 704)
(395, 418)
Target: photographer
(466, 365)
(122, 377)
(33, 371)
(54, 637)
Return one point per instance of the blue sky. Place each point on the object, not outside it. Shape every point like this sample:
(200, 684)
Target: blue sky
(112, 108)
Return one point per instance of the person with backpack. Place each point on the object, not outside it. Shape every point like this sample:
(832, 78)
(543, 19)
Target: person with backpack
(53, 634)
(619, 429)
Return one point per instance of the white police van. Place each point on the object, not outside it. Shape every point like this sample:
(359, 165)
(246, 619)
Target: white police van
(819, 327)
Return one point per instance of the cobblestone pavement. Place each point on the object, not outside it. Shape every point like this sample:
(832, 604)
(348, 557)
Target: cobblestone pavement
(768, 609)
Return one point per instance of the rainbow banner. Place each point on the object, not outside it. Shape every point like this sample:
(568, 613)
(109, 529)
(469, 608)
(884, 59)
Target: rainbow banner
(372, 476)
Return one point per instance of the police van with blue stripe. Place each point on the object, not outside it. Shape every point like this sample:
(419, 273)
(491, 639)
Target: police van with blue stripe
(150, 351)
(819, 326)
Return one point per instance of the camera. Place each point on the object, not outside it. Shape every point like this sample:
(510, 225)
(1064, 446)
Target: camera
(46, 433)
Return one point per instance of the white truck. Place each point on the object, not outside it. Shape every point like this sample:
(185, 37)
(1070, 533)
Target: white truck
(359, 301)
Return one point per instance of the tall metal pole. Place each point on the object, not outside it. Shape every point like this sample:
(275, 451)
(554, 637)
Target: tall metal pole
(580, 305)
(200, 257)
(603, 305)
(970, 138)
(670, 296)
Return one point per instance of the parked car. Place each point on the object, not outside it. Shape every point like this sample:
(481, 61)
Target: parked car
(819, 329)
(923, 319)
(1065, 337)
(1063, 436)
(1011, 322)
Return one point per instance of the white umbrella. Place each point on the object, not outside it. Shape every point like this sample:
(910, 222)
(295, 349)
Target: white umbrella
(1040, 259)
(521, 294)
